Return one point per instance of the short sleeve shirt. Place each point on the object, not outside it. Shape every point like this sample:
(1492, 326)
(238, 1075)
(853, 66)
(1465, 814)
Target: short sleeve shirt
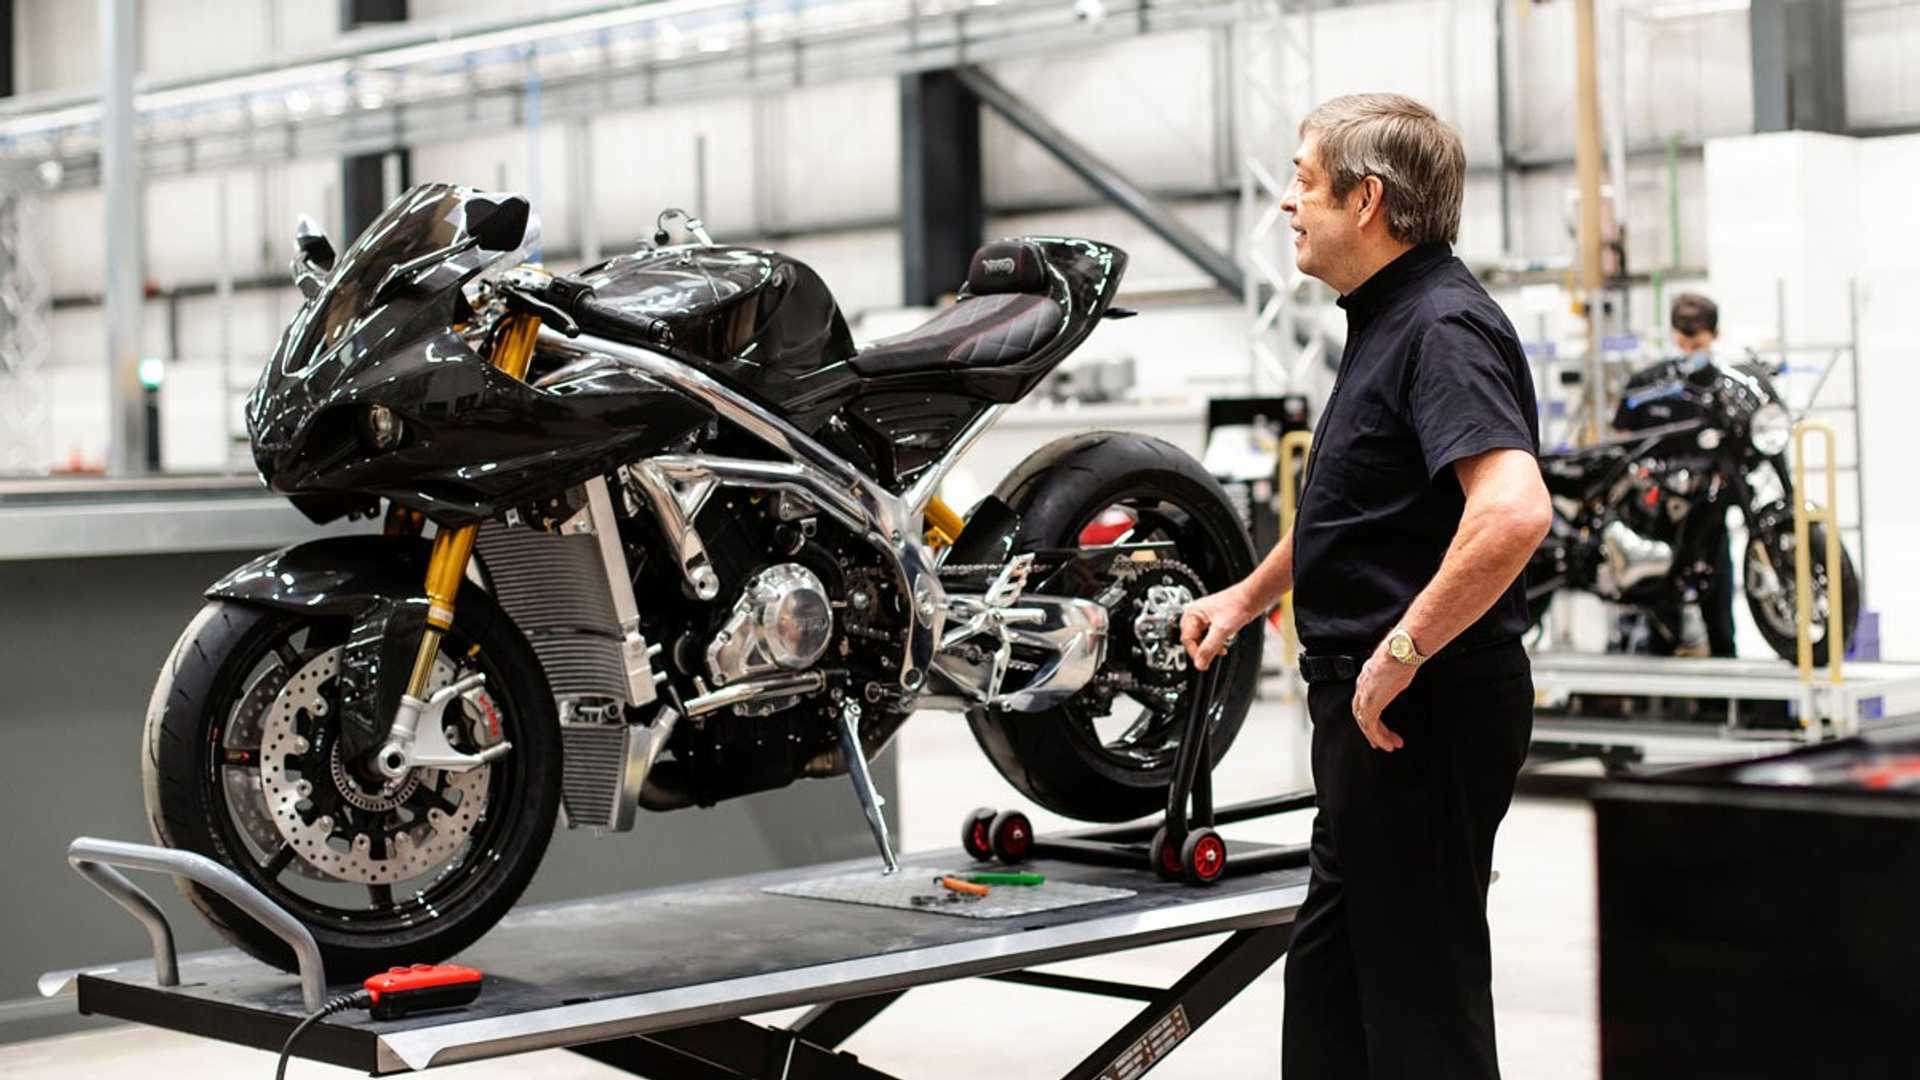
(1432, 373)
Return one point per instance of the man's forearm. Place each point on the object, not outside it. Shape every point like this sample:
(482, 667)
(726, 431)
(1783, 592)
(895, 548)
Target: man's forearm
(1271, 580)
(1504, 520)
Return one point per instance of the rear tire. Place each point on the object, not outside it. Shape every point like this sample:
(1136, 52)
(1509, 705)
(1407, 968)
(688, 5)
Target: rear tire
(1054, 757)
(183, 758)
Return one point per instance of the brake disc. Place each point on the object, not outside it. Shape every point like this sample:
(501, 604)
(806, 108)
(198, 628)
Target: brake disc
(293, 770)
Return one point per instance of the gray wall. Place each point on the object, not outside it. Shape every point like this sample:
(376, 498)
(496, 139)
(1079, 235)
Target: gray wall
(80, 641)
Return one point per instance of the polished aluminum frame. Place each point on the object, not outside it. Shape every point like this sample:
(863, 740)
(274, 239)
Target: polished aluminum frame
(891, 523)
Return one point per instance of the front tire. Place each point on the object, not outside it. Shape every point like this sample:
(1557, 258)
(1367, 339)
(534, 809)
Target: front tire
(1059, 757)
(1771, 596)
(206, 772)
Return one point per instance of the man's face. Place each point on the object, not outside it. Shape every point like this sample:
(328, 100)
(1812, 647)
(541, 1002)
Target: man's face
(1698, 341)
(1325, 234)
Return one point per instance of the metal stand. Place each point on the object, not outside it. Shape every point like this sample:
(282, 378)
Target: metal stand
(95, 860)
(1184, 843)
(809, 1048)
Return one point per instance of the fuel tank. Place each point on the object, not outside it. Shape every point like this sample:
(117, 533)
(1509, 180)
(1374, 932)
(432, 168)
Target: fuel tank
(759, 320)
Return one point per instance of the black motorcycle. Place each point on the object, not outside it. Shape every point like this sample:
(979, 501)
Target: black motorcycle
(686, 547)
(1640, 520)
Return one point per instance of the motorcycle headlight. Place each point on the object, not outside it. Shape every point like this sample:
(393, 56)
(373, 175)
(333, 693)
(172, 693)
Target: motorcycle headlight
(381, 427)
(1771, 429)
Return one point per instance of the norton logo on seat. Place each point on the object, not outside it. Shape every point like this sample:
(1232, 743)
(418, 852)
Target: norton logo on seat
(997, 266)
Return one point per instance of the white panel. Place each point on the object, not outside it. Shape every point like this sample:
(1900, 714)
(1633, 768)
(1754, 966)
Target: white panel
(463, 10)
(1882, 39)
(1439, 52)
(1686, 77)
(1145, 106)
(1480, 219)
(77, 336)
(77, 246)
(303, 26)
(77, 404)
(183, 232)
(58, 45)
(179, 38)
(835, 153)
(644, 163)
(196, 425)
(1542, 116)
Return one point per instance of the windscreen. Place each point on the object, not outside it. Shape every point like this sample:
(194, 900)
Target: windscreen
(427, 219)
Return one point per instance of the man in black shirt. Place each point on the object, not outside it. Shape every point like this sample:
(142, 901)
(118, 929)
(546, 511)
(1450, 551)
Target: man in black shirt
(1421, 505)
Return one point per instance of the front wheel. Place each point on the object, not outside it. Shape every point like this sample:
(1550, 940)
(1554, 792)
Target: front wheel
(1107, 755)
(241, 763)
(1772, 597)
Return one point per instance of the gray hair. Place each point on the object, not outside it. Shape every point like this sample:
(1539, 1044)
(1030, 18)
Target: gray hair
(1417, 157)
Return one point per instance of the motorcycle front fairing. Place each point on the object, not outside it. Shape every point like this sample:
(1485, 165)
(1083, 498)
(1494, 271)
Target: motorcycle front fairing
(474, 441)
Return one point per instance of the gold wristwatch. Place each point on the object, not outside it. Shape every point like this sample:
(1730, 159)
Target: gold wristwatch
(1400, 646)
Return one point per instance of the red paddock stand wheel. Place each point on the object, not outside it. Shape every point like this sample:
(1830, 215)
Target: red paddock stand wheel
(976, 833)
(1164, 858)
(1012, 836)
(1203, 858)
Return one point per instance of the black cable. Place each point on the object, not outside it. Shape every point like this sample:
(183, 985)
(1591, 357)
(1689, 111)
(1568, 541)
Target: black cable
(359, 999)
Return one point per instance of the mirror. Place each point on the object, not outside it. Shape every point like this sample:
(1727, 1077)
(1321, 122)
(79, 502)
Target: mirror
(312, 242)
(314, 257)
(498, 222)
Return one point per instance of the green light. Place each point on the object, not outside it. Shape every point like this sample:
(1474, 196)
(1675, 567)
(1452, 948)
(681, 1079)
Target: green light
(153, 372)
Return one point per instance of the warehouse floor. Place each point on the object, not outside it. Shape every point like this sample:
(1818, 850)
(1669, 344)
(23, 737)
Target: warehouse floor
(1541, 912)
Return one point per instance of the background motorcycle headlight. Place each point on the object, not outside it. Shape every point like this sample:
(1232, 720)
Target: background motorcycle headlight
(381, 427)
(1771, 429)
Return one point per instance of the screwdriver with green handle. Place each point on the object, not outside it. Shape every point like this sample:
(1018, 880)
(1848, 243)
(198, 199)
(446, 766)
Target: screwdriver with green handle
(1006, 877)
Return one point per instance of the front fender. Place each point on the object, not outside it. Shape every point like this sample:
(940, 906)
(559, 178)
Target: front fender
(338, 575)
(379, 583)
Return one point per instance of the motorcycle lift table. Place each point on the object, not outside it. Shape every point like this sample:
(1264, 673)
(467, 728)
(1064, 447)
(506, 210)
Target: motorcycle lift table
(656, 982)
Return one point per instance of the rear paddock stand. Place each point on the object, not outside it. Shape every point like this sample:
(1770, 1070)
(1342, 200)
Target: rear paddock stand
(1183, 846)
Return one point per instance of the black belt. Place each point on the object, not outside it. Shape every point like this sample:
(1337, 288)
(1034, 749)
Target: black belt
(1487, 658)
(1330, 668)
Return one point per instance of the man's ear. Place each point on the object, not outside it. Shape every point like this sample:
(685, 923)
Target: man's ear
(1372, 200)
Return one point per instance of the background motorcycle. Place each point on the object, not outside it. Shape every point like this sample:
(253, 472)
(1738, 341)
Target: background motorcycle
(707, 559)
(1637, 520)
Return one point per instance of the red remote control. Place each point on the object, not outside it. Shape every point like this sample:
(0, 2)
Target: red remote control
(402, 991)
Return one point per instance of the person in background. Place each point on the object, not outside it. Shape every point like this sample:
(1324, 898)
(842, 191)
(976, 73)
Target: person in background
(1695, 321)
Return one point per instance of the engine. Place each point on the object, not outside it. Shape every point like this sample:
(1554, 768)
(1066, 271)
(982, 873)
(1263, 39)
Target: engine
(782, 621)
(1647, 508)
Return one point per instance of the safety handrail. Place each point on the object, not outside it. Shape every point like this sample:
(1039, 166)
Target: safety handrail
(95, 860)
(1290, 443)
(1803, 518)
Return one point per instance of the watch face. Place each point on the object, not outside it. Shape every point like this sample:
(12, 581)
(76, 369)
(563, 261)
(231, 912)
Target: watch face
(1400, 646)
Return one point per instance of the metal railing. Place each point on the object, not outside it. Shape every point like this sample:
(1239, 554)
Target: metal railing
(95, 860)
(1804, 515)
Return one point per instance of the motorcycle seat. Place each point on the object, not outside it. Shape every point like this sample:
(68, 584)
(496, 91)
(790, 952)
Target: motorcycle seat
(1003, 316)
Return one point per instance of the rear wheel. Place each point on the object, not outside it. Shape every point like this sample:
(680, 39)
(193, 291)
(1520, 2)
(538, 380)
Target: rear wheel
(1108, 754)
(241, 763)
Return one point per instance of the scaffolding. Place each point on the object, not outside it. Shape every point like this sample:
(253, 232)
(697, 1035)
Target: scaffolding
(25, 323)
(1273, 56)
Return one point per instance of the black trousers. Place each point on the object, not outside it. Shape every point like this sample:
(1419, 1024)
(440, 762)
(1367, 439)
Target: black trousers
(1389, 975)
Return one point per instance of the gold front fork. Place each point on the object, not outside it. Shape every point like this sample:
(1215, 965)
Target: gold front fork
(513, 354)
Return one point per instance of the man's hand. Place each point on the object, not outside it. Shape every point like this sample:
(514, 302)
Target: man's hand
(1381, 680)
(1209, 623)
